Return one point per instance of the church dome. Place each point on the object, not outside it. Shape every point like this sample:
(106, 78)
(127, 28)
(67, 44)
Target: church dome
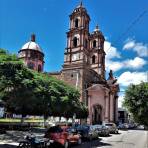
(32, 45)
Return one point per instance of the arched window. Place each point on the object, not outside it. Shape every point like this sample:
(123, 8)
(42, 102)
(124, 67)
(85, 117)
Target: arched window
(94, 43)
(76, 23)
(93, 59)
(75, 42)
(30, 65)
(39, 68)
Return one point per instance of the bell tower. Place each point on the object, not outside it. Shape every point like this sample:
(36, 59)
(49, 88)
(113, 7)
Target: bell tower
(84, 56)
(97, 56)
(77, 37)
(77, 50)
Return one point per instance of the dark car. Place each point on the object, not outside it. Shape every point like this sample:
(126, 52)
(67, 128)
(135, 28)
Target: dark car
(87, 131)
(31, 141)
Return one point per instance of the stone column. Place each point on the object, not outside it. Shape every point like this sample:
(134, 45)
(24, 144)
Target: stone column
(111, 108)
(89, 120)
(116, 108)
(106, 108)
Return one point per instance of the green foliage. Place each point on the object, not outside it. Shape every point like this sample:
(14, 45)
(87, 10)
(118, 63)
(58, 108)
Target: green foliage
(6, 57)
(28, 92)
(136, 101)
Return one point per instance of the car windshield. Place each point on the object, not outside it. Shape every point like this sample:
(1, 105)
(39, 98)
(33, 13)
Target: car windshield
(83, 127)
(108, 124)
(55, 129)
(71, 130)
(98, 126)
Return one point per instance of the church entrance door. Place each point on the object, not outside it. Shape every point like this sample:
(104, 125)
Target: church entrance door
(97, 114)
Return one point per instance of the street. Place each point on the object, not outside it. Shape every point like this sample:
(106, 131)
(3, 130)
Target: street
(126, 139)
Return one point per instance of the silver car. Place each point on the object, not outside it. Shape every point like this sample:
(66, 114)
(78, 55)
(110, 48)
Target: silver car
(112, 127)
(87, 131)
(102, 130)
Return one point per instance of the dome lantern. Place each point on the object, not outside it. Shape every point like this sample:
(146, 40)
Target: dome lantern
(33, 37)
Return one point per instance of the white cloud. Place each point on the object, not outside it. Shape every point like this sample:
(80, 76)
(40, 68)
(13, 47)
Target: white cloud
(129, 44)
(120, 99)
(111, 52)
(112, 65)
(128, 78)
(140, 48)
(136, 63)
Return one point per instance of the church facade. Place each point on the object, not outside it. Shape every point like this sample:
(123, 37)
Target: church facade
(84, 68)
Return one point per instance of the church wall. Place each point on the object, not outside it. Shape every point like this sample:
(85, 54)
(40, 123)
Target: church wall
(96, 97)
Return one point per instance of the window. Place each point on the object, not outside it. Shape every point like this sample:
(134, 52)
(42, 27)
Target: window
(75, 42)
(76, 23)
(72, 75)
(94, 43)
(39, 68)
(30, 65)
(93, 59)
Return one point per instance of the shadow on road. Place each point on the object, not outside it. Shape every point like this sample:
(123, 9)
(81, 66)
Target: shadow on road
(92, 144)
(7, 146)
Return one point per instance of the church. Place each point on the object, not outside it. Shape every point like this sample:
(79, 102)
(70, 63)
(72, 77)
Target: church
(83, 67)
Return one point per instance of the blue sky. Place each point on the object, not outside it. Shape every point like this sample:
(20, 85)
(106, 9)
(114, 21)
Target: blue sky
(123, 23)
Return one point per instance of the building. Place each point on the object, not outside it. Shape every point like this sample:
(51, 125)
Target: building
(123, 115)
(84, 67)
(32, 55)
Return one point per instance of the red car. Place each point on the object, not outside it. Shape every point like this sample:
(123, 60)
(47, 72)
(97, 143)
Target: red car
(63, 135)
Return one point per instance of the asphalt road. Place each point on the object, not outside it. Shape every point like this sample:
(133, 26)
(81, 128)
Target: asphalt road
(126, 139)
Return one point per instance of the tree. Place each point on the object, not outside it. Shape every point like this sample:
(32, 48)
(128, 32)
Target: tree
(136, 101)
(28, 92)
(5, 56)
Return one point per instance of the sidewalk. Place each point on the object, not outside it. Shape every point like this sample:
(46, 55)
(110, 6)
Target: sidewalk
(11, 138)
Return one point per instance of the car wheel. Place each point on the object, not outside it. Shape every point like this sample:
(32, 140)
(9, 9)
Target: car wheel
(79, 141)
(66, 144)
(24, 145)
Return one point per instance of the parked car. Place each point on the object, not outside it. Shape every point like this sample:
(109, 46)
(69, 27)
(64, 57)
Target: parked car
(121, 126)
(112, 127)
(2, 131)
(125, 126)
(87, 131)
(31, 141)
(64, 136)
(102, 130)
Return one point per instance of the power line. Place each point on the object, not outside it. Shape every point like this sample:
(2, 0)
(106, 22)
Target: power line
(134, 22)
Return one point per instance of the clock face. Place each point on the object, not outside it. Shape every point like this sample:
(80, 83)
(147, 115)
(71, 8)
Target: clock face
(75, 57)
